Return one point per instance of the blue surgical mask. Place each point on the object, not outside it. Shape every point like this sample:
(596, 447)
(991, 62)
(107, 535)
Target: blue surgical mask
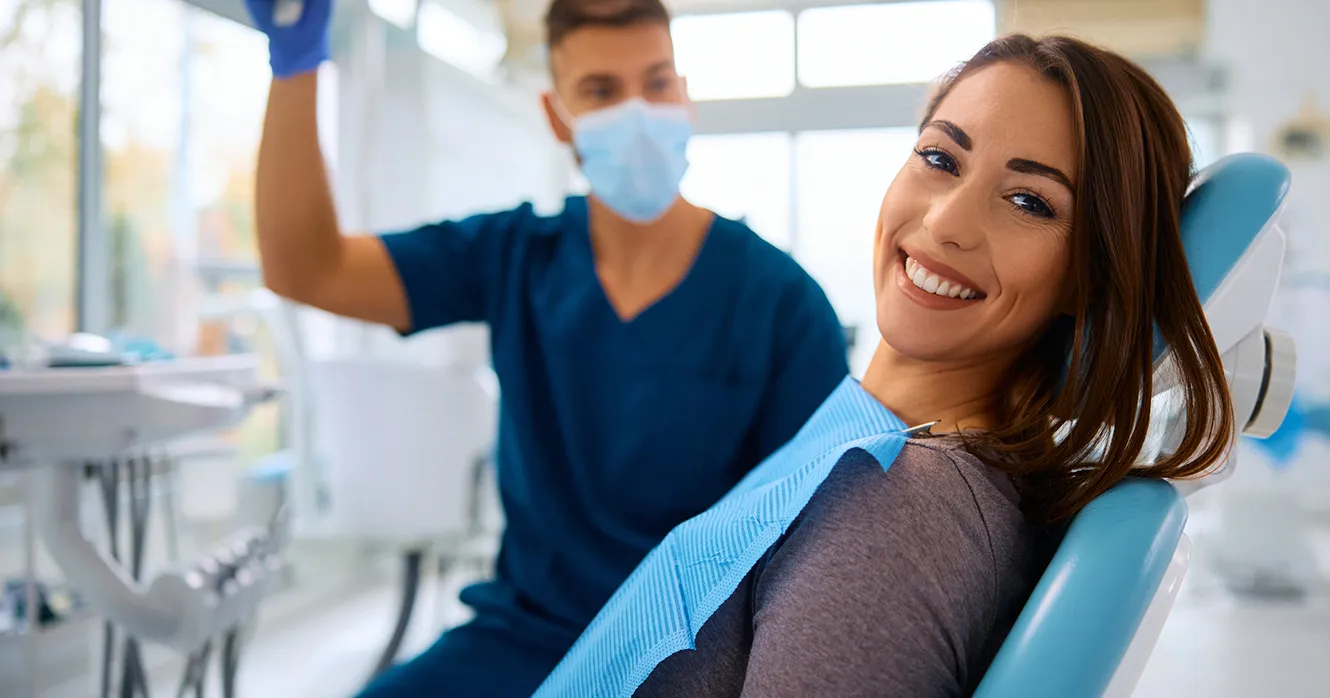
(634, 156)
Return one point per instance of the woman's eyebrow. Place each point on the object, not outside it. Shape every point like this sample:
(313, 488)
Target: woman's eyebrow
(1022, 165)
(1038, 168)
(956, 132)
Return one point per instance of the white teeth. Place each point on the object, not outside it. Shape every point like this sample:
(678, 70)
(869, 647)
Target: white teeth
(935, 284)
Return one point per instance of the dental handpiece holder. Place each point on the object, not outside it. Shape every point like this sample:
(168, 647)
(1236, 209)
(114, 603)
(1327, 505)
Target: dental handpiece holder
(54, 420)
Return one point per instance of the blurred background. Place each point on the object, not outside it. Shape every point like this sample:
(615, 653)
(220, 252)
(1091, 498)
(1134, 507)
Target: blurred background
(137, 219)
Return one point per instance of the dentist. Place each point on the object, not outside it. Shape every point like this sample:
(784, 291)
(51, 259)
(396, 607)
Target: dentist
(650, 352)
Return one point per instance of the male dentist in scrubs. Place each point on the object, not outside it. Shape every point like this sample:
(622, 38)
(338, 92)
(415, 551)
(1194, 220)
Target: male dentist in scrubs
(649, 351)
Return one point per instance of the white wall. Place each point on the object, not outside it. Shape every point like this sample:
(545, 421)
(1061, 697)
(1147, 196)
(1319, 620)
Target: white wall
(419, 141)
(1277, 53)
(423, 140)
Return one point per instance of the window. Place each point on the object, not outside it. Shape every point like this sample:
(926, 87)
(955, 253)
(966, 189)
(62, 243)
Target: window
(842, 176)
(40, 51)
(183, 97)
(449, 37)
(900, 42)
(736, 56)
(399, 12)
(746, 177)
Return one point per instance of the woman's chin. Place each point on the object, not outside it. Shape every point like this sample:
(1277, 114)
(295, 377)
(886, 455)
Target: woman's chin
(915, 342)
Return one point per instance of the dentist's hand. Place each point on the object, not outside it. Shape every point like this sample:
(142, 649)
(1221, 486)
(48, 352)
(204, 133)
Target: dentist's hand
(299, 47)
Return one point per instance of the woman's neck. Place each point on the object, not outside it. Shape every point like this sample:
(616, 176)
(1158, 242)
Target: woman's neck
(958, 394)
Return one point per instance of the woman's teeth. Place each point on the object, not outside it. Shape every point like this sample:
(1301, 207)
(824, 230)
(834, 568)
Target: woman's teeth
(935, 284)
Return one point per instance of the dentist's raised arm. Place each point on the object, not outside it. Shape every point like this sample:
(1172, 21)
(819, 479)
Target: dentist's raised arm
(304, 255)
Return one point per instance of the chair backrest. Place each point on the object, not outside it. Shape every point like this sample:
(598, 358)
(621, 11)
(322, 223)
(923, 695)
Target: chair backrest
(401, 445)
(1087, 611)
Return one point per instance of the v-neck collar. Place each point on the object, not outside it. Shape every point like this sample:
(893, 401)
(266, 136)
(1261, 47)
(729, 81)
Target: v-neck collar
(578, 223)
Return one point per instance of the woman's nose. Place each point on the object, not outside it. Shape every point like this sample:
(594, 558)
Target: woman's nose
(955, 218)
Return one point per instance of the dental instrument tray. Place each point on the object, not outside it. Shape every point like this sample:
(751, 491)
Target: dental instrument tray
(91, 412)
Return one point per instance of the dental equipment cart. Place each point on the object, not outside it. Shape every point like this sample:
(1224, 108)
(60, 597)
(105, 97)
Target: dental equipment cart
(61, 428)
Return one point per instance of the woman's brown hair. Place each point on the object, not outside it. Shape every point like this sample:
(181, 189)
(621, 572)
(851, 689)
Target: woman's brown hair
(1074, 414)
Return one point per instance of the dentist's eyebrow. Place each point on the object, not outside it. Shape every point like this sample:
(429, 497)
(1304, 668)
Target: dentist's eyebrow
(661, 67)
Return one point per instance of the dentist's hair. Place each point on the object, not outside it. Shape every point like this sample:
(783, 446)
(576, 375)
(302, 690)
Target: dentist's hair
(1067, 434)
(567, 16)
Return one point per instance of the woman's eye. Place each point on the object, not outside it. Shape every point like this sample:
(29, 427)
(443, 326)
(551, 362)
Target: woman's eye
(938, 160)
(1032, 205)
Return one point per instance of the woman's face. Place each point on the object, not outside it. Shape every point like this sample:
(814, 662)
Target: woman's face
(971, 255)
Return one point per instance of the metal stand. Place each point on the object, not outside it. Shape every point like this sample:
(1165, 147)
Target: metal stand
(411, 567)
(137, 476)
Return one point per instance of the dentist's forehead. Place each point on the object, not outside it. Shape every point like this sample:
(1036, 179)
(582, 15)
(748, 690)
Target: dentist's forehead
(620, 52)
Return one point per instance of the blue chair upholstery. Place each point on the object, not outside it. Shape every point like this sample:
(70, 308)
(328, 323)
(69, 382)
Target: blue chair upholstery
(1085, 611)
(1086, 608)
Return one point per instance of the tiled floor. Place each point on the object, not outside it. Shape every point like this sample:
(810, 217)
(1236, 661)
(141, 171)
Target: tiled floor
(1213, 646)
(320, 642)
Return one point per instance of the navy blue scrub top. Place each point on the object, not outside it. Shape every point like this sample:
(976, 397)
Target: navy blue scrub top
(613, 432)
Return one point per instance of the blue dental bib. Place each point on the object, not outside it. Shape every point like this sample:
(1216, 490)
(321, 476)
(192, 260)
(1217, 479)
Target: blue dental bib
(660, 608)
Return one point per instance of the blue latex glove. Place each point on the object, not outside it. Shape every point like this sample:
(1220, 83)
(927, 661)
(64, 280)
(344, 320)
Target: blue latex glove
(298, 48)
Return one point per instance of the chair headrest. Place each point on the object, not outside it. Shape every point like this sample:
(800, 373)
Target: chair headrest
(1233, 246)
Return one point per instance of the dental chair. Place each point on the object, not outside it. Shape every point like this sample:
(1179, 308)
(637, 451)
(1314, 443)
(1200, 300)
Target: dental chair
(1097, 611)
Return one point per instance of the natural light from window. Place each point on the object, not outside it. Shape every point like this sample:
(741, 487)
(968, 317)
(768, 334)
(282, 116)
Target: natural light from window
(445, 35)
(893, 43)
(746, 177)
(841, 177)
(736, 56)
(399, 12)
(40, 53)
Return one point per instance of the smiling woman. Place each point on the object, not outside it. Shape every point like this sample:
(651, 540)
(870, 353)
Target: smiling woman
(1024, 257)
(979, 159)
(1072, 261)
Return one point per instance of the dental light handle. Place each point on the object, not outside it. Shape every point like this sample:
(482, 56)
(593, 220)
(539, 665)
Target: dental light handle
(286, 13)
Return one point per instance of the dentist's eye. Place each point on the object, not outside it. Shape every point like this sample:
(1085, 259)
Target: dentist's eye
(938, 160)
(1031, 204)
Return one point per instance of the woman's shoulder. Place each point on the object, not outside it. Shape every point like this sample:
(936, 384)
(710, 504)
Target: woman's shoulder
(936, 492)
(937, 467)
(935, 528)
